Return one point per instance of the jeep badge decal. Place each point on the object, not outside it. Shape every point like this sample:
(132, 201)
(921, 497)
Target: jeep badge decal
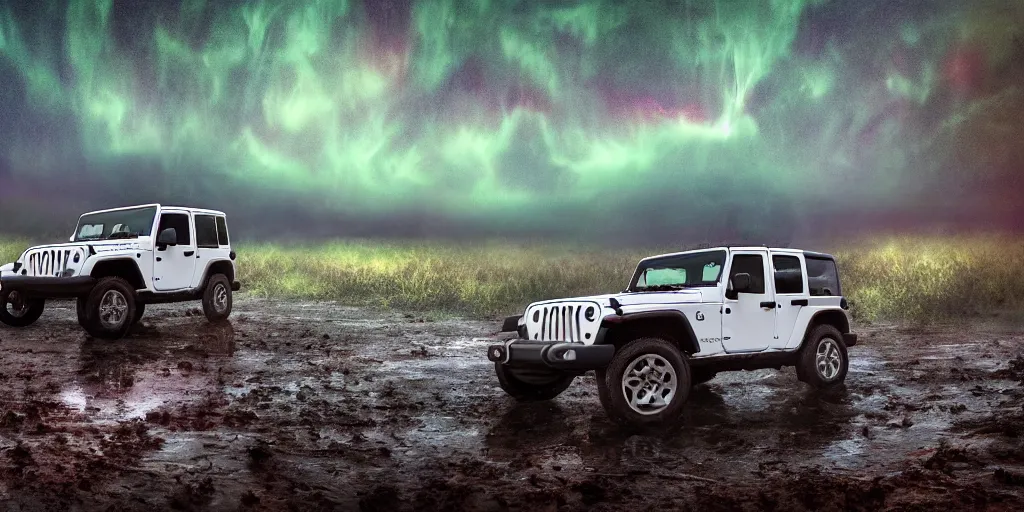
(700, 316)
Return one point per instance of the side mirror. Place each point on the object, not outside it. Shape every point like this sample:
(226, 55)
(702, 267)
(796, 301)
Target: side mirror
(167, 237)
(740, 284)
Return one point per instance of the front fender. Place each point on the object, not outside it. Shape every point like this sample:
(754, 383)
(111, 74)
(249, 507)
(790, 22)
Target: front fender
(90, 263)
(676, 318)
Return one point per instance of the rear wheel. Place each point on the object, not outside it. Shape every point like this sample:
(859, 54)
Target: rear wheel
(110, 308)
(16, 310)
(647, 383)
(532, 385)
(217, 298)
(823, 360)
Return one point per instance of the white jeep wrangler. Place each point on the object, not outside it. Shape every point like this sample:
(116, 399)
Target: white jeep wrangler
(683, 318)
(114, 266)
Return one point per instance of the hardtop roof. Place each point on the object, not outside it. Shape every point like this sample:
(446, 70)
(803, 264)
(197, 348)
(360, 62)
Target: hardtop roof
(157, 205)
(809, 254)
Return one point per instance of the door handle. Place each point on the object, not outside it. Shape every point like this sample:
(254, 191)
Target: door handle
(799, 302)
(159, 259)
(728, 310)
(189, 253)
(768, 305)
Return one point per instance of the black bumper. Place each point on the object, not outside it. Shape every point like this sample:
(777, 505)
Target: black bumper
(48, 287)
(850, 339)
(235, 286)
(559, 356)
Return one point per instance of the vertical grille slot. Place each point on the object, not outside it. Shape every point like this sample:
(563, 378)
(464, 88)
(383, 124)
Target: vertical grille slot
(579, 329)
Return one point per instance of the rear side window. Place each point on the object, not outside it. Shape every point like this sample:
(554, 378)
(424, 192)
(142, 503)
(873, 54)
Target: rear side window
(222, 231)
(206, 232)
(789, 278)
(822, 277)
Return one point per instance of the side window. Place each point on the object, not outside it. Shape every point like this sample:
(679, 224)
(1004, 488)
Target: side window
(789, 278)
(822, 277)
(752, 264)
(206, 232)
(178, 221)
(222, 231)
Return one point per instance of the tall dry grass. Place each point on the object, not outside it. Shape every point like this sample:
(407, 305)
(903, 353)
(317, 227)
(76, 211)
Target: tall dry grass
(893, 278)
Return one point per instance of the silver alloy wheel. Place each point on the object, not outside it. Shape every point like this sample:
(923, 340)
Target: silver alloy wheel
(220, 298)
(15, 306)
(113, 309)
(828, 359)
(649, 384)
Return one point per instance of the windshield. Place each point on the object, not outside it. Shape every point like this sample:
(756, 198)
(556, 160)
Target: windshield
(115, 225)
(675, 272)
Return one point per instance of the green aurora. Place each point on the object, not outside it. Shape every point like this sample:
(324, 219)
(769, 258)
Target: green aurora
(693, 115)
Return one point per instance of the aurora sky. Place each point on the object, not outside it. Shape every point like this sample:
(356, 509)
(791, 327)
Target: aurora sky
(684, 119)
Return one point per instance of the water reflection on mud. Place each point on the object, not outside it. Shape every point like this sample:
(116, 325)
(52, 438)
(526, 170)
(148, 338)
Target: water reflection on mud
(125, 379)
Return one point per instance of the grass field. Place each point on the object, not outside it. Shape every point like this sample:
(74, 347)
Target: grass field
(915, 278)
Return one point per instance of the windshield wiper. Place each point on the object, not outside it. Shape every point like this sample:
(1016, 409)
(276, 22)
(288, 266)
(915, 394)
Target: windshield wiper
(122, 234)
(661, 288)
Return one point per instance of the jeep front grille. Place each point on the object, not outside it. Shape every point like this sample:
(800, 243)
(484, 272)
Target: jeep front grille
(51, 262)
(564, 321)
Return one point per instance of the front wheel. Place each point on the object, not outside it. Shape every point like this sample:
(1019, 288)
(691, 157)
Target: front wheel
(16, 310)
(532, 386)
(217, 298)
(110, 308)
(823, 361)
(647, 383)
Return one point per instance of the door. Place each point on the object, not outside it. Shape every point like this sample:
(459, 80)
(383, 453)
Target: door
(748, 322)
(173, 266)
(790, 293)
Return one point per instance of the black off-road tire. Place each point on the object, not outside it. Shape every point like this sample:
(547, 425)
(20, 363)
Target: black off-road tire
(25, 316)
(666, 354)
(217, 298)
(603, 394)
(122, 295)
(700, 376)
(140, 309)
(532, 386)
(83, 317)
(829, 341)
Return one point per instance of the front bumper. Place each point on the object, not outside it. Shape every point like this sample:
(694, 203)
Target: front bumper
(48, 287)
(556, 355)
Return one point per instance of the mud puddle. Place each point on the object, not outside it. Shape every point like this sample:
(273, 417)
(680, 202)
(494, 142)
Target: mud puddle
(323, 407)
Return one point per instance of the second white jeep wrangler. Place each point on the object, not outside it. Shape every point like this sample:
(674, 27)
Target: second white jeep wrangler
(114, 265)
(683, 318)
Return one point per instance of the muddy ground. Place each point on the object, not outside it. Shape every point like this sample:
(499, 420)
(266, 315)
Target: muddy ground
(315, 406)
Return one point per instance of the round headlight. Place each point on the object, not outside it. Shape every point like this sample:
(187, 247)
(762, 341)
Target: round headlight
(589, 313)
(536, 316)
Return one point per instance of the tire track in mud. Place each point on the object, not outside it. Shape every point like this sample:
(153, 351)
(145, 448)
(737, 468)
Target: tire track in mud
(317, 405)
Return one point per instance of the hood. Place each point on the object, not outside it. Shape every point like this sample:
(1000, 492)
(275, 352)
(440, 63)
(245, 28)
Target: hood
(97, 246)
(634, 298)
(68, 259)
